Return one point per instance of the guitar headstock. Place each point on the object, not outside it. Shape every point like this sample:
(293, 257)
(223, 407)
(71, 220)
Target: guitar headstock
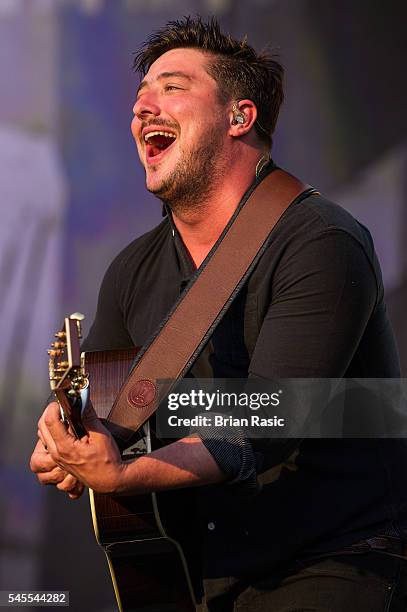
(67, 375)
(64, 366)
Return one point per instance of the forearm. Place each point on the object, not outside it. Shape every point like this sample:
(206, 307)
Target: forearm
(184, 463)
(96, 462)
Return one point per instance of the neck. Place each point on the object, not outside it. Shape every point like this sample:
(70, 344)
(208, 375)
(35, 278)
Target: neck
(201, 225)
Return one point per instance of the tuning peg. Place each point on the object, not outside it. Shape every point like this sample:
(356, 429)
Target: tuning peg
(58, 345)
(63, 364)
(54, 353)
(60, 334)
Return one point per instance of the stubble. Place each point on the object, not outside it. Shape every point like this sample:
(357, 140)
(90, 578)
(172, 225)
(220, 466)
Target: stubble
(195, 176)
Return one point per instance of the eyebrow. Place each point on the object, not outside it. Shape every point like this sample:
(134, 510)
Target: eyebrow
(166, 75)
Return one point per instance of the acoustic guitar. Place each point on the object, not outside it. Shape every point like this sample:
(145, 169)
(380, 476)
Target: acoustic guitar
(150, 541)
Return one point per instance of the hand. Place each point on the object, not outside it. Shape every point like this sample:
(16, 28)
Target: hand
(94, 459)
(48, 472)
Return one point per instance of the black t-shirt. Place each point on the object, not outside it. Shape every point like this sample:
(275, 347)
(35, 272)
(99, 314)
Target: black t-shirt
(313, 307)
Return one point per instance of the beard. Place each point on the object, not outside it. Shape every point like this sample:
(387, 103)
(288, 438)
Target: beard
(195, 176)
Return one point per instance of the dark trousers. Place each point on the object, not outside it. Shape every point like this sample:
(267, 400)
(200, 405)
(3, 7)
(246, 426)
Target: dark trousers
(368, 582)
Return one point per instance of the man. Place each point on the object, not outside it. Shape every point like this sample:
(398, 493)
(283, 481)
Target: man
(313, 307)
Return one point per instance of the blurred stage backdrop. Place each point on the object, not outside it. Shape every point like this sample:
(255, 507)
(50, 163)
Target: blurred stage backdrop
(72, 195)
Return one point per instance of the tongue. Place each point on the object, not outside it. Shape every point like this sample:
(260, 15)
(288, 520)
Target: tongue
(152, 150)
(158, 143)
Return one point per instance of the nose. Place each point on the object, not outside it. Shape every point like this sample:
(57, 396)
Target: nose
(145, 106)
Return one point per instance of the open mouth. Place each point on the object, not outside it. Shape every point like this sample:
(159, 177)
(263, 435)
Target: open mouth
(157, 142)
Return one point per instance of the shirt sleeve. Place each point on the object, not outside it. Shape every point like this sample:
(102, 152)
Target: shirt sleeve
(323, 293)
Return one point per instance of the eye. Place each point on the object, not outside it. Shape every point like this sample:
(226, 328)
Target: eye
(171, 87)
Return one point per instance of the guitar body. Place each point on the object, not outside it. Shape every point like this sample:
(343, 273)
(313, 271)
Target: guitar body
(149, 540)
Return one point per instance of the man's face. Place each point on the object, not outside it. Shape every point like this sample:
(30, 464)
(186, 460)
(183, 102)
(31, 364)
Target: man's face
(180, 126)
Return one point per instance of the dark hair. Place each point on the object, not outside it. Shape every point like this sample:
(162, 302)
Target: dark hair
(239, 71)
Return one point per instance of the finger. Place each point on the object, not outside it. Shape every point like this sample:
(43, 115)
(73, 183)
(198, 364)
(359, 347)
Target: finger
(41, 462)
(52, 431)
(52, 421)
(41, 440)
(72, 486)
(39, 447)
(77, 491)
(46, 438)
(68, 483)
(43, 433)
(53, 477)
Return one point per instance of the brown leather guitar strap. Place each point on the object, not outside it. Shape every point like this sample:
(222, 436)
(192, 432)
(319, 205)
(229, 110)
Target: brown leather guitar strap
(194, 317)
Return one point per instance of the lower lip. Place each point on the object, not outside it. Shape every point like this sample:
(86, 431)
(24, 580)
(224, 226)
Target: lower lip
(155, 159)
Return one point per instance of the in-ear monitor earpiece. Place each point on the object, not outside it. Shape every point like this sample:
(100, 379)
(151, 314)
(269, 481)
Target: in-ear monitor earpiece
(238, 116)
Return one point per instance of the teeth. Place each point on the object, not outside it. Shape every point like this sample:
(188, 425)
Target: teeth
(157, 133)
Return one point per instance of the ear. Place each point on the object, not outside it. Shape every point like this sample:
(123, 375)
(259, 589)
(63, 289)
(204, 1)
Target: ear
(243, 115)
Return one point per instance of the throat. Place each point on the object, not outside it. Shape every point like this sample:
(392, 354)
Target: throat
(200, 232)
